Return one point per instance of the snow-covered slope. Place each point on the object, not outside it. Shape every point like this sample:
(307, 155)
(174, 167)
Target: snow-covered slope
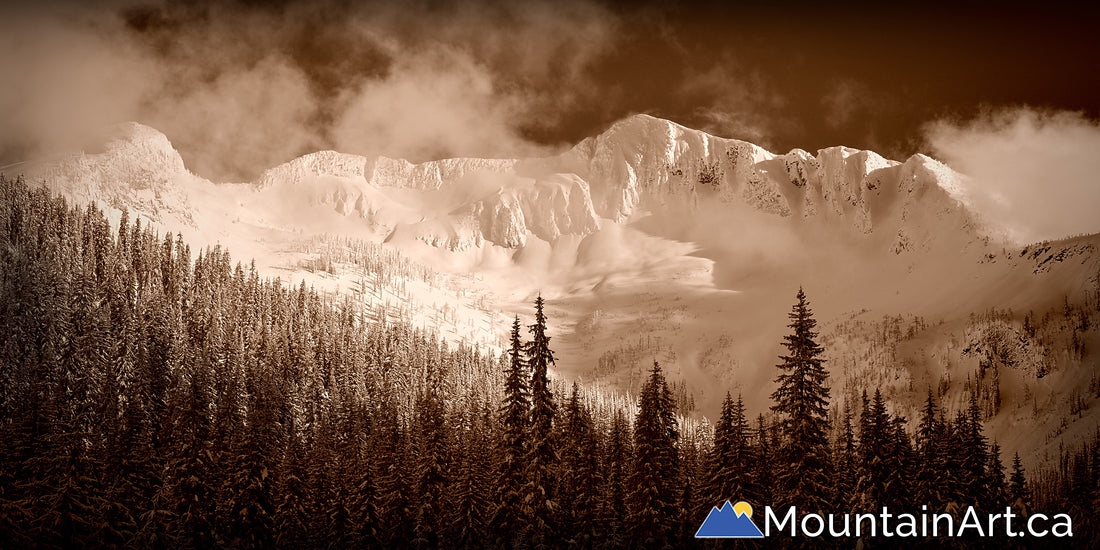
(649, 163)
(645, 203)
(455, 203)
(650, 241)
(640, 164)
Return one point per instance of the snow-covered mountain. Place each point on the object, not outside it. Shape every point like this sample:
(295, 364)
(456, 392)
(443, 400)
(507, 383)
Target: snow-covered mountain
(646, 163)
(638, 165)
(130, 166)
(656, 241)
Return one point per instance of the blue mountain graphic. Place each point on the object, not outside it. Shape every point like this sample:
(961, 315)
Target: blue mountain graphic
(724, 523)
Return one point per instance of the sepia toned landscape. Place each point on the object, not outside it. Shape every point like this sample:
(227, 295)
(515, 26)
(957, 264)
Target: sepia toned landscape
(470, 275)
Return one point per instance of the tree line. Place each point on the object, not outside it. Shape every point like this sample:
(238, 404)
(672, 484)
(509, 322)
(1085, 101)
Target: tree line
(152, 399)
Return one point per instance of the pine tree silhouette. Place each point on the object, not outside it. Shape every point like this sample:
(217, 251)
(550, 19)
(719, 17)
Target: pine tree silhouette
(653, 488)
(763, 472)
(996, 489)
(1017, 485)
(801, 401)
(847, 462)
(513, 443)
(472, 489)
(929, 473)
(618, 460)
(721, 475)
(899, 464)
(542, 455)
(432, 465)
(579, 473)
(732, 459)
(975, 453)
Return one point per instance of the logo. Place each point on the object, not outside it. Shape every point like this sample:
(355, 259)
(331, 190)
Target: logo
(731, 521)
(734, 521)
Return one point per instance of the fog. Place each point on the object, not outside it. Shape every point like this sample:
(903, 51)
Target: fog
(1033, 172)
(240, 90)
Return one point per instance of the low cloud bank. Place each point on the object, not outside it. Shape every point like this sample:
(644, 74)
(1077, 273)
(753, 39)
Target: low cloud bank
(1035, 173)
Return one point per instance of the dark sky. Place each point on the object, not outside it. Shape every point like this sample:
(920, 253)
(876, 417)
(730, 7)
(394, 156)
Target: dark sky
(239, 87)
(857, 75)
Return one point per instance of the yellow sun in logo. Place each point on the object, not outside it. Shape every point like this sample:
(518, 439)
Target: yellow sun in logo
(742, 509)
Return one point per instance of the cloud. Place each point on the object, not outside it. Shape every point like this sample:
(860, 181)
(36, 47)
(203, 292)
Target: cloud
(259, 116)
(64, 75)
(431, 105)
(737, 103)
(843, 99)
(238, 89)
(1032, 172)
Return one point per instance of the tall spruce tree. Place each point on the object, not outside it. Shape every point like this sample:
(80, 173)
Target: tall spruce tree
(802, 402)
(579, 473)
(617, 463)
(513, 442)
(542, 455)
(692, 475)
(997, 491)
(899, 483)
(720, 482)
(471, 495)
(432, 466)
(874, 452)
(928, 482)
(1017, 485)
(846, 461)
(732, 458)
(653, 488)
(975, 455)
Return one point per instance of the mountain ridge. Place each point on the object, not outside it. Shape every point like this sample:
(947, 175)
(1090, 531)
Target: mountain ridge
(614, 169)
(649, 241)
(639, 164)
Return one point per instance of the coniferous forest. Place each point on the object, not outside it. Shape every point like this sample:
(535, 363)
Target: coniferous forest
(155, 396)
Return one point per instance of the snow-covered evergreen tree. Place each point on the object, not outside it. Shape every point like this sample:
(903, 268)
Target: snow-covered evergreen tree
(974, 454)
(1018, 492)
(579, 473)
(801, 401)
(996, 490)
(928, 485)
(653, 488)
(847, 461)
(618, 460)
(732, 457)
(511, 475)
(763, 470)
(542, 454)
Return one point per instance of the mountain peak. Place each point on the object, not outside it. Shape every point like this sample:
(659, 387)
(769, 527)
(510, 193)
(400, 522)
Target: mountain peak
(129, 165)
(638, 120)
(642, 124)
(640, 164)
(136, 154)
(323, 163)
(136, 132)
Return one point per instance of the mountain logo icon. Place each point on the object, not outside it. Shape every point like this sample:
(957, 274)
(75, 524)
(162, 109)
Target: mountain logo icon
(731, 521)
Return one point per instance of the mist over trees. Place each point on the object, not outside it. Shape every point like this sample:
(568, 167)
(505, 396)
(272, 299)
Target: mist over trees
(150, 397)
